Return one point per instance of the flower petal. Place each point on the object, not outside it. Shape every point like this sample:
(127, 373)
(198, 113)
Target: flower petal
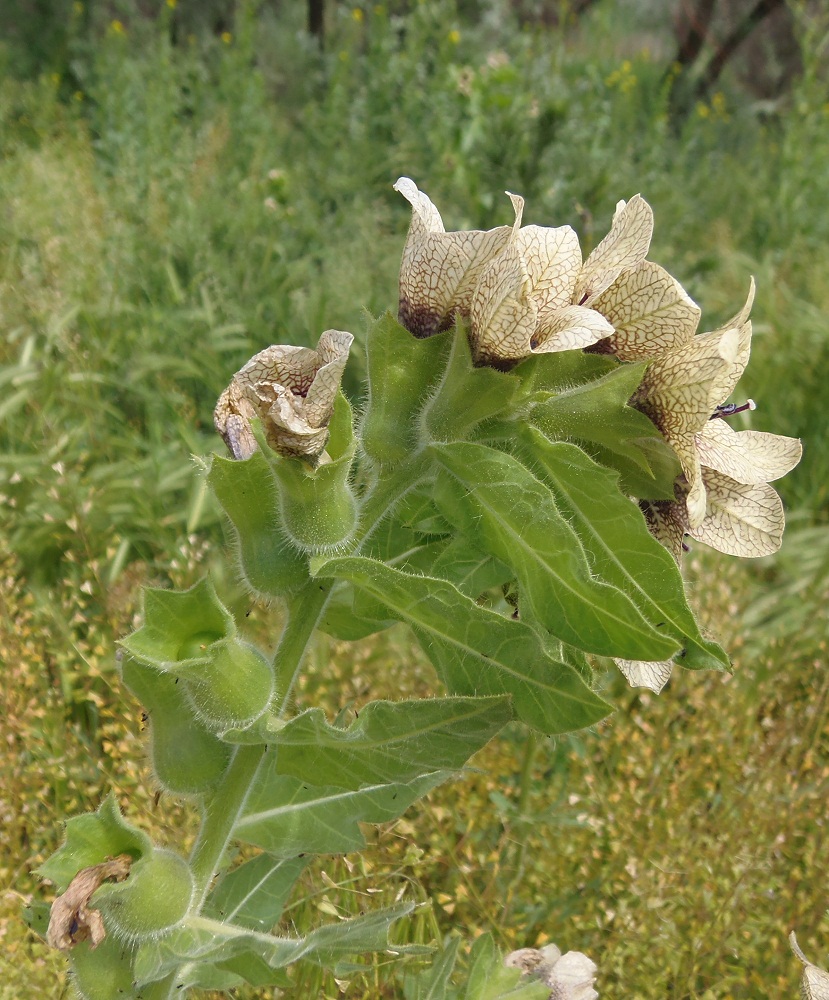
(232, 418)
(569, 329)
(425, 216)
(552, 258)
(439, 269)
(624, 247)
(502, 315)
(741, 520)
(667, 521)
(742, 325)
(572, 977)
(640, 673)
(650, 311)
(747, 456)
(679, 391)
(332, 351)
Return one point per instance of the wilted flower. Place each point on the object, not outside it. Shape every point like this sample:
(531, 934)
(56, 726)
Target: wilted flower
(570, 976)
(292, 391)
(439, 270)
(814, 983)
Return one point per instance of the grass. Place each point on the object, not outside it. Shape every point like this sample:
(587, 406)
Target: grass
(166, 210)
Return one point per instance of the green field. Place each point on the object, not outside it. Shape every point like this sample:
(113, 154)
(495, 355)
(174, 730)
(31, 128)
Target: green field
(177, 193)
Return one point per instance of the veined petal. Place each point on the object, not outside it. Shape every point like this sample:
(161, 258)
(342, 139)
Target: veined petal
(552, 258)
(425, 216)
(742, 325)
(624, 247)
(332, 352)
(641, 673)
(439, 270)
(232, 418)
(502, 315)
(667, 521)
(679, 390)
(747, 456)
(569, 329)
(741, 520)
(650, 312)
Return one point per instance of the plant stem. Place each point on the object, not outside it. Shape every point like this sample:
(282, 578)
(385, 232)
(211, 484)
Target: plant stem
(305, 609)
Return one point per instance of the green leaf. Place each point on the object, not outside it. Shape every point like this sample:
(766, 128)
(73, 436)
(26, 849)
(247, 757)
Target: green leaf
(478, 652)
(247, 492)
(472, 572)
(434, 983)
(562, 370)
(254, 894)
(90, 840)
(179, 625)
(621, 549)
(203, 940)
(597, 413)
(465, 395)
(352, 614)
(401, 372)
(390, 741)
(287, 816)
(499, 504)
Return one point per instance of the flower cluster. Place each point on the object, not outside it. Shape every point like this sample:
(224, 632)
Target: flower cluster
(525, 290)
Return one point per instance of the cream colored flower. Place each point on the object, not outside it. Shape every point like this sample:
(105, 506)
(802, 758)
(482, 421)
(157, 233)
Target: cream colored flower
(646, 674)
(523, 301)
(439, 270)
(746, 456)
(536, 296)
(680, 392)
(292, 391)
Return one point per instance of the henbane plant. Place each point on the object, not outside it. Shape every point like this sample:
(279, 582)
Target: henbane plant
(540, 434)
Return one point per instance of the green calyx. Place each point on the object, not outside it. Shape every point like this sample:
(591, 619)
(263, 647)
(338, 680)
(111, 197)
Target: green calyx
(151, 901)
(318, 506)
(232, 687)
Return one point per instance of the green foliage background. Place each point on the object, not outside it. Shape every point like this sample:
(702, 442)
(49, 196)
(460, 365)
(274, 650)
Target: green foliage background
(179, 191)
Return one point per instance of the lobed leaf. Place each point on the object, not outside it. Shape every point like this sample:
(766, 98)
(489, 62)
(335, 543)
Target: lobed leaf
(288, 816)
(390, 741)
(201, 939)
(597, 413)
(620, 547)
(254, 894)
(478, 652)
(494, 500)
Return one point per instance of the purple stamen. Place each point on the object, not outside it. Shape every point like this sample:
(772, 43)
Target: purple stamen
(729, 409)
